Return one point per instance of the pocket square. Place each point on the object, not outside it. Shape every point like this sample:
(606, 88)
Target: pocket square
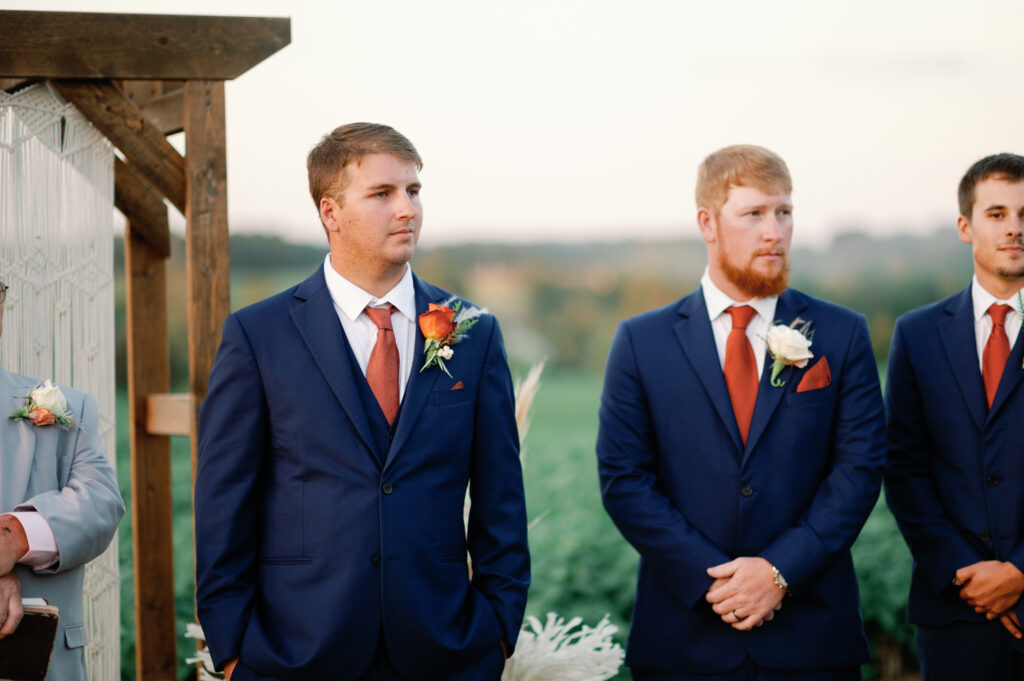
(818, 376)
(458, 386)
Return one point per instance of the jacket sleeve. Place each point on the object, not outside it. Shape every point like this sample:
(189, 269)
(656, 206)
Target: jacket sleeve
(496, 532)
(232, 443)
(84, 513)
(938, 547)
(847, 494)
(627, 457)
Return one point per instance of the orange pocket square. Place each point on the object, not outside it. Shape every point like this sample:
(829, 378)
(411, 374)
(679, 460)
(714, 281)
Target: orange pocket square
(458, 386)
(818, 376)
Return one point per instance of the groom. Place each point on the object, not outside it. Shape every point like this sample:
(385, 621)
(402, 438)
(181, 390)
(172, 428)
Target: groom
(334, 457)
(742, 473)
(956, 475)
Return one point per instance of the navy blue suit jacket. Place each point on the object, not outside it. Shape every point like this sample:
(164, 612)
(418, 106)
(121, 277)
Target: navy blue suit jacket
(955, 480)
(688, 495)
(311, 540)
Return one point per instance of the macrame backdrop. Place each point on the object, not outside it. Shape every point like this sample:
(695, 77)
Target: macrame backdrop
(56, 253)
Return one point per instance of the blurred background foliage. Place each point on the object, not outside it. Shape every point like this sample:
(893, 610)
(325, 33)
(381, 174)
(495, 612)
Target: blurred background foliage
(562, 302)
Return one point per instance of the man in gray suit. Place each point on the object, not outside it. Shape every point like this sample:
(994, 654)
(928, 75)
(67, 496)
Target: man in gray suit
(59, 506)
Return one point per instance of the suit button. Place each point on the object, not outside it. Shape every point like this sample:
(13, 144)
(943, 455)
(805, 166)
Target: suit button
(387, 488)
(993, 480)
(985, 535)
(747, 490)
(376, 561)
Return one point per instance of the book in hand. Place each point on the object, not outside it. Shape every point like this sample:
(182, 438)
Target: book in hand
(25, 654)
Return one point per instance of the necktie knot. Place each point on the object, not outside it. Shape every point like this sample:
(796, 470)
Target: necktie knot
(741, 315)
(998, 314)
(381, 316)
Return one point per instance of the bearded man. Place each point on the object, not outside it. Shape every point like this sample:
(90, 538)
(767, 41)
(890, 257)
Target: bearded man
(741, 448)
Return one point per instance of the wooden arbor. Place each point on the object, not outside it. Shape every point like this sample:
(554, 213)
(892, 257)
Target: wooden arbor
(138, 78)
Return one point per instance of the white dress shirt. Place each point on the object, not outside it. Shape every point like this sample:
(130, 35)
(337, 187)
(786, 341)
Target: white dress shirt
(350, 303)
(721, 321)
(42, 545)
(983, 322)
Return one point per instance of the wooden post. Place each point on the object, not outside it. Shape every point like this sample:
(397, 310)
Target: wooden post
(149, 372)
(206, 239)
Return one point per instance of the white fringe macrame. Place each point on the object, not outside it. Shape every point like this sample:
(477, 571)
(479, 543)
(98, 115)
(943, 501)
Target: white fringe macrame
(57, 255)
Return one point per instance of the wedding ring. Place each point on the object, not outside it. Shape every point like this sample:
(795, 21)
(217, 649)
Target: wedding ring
(738, 618)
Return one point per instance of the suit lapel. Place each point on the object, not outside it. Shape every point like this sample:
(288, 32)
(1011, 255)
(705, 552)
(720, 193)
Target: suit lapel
(958, 340)
(420, 385)
(1011, 377)
(317, 323)
(698, 342)
(791, 304)
(17, 443)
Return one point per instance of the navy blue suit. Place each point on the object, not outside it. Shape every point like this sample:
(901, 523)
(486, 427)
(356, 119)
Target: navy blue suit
(323, 535)
(955, 480)
(687, 494)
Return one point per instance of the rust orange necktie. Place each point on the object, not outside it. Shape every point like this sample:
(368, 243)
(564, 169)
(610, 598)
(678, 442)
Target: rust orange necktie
(382, 369)
(741, 368)
(997, 351)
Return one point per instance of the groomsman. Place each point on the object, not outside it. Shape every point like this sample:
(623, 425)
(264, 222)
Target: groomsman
(740, 451)
(956, 474)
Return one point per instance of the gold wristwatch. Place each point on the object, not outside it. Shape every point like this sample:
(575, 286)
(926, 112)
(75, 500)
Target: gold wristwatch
(779, 580)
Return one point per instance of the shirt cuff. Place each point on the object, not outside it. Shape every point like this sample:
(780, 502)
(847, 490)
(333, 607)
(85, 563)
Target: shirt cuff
(42, 545)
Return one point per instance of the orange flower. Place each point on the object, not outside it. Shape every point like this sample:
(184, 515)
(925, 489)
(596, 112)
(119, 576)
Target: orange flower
(438, 322)
(42, 417)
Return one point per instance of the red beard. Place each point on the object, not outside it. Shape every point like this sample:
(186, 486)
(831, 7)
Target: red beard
(752, 283)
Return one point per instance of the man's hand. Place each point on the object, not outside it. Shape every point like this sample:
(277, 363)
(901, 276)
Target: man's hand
(1010, 622)
(13, 543)
(992, 587)
(229, 668)
(744, 593)
(10, 604)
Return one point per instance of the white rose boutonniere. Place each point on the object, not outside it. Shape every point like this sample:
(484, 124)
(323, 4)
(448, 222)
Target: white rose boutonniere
(788, 345)
(45, 406)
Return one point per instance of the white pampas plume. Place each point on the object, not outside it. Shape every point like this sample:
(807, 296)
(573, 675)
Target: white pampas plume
(206, 672)
(525, 391)
(558, 651)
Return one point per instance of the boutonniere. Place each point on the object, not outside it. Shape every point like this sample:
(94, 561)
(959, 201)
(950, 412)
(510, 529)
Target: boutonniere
(788, 345)
(443, 326)
(45, 406)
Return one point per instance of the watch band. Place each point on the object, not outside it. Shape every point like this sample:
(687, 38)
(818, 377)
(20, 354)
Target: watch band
(779, 580)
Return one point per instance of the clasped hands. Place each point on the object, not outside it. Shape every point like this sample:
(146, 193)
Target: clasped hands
(744, 594)
(992, 588)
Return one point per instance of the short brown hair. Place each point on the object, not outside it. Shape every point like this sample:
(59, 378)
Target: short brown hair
(349, 144)
(741, 165)
(1008, 167)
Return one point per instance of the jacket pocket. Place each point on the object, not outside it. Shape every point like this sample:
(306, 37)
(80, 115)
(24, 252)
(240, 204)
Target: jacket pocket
(74, 636)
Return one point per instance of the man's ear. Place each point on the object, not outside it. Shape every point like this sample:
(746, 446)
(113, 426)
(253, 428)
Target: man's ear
(330, 214)
(706, 224)
(963, 229)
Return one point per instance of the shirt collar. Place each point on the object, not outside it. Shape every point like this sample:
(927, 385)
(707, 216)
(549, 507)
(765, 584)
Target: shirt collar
(983, 300)
(352, 300)
(717, 301)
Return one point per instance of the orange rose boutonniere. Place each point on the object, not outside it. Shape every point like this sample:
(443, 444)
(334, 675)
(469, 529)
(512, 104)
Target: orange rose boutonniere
(443, 326)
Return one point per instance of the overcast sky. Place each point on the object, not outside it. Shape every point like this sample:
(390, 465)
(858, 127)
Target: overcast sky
(573, 120)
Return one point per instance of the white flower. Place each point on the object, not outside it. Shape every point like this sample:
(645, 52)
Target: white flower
(445, 352)
(49, 397)
(788, 345)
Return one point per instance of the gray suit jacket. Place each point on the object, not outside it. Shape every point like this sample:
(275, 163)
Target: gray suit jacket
(63, 475)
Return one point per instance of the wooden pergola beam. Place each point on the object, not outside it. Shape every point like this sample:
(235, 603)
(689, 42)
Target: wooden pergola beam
(135, 46)
(144, 208)
(161, 101)
(122, 123)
